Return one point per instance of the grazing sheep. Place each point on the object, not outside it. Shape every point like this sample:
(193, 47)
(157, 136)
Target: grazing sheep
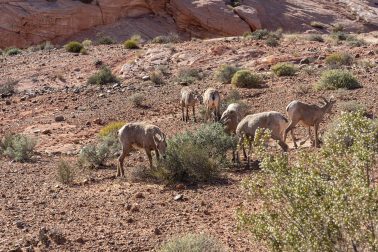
(274, 121)
(189, 98)
(143, 135)
(307, 114)
(211, 99)
(231, 118)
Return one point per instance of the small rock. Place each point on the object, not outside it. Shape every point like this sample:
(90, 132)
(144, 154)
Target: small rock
(59, 118)
(139, 195)
(146, 78)
(47, 132)
(157, 231)
(20, 224)
(57, 237)
(178, 197)
(98, 121)
(305, 61)
(80, 240)
(130, 220)
(357, 55)
(370, 53)
(8, 102)
(101, 95)
(180, 187)
(88, 123)
(135, 208)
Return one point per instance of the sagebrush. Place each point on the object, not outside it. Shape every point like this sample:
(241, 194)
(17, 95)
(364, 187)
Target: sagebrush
(193, 243)
(17, 147)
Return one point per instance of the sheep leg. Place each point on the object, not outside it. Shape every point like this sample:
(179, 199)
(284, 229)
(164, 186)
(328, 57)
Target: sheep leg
(283, 145)
(121, 159)
(157, 155)
(148, 152)
(194, 114)
(308, 137)
(290, 127)
(293, 137)
(316, 136)
(241, 138)
(187, 113)
(249, 154)
(183, 114)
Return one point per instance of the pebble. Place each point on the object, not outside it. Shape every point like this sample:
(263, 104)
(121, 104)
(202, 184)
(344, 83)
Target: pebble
(59, 118)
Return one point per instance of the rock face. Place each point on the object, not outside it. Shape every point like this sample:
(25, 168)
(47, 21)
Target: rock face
(23, 22)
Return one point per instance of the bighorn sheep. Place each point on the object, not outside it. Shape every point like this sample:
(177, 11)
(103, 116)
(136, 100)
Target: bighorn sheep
(189, 98)
(142, 135)
(274, 121)
(211, 99)
(309, 115)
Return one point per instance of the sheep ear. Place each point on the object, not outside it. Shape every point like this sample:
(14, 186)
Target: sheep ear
(157, 138)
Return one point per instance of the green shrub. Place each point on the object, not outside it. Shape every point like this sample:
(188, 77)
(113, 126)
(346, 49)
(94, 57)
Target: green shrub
(8, 88)
(337, 28)
(87, 43)
(246, 79)
(73, 47)
(315, 37)
(225, 72)
(157, 77)
(17, 147)
(137, 100)
(111, 129)
(131, 44)
(84, 51)
(105, 40)
(318, 201)
(335, 79)
(338, 59)
(272, 42)
(94, 156)
(196, 156)
(137, 38)
(352, 106)
(355, 42)
(165, 39)
(318, 25)
(258, 34)
(339, 36)
(65, 172)
(102, 77)
(12, 51)
(188, 75)
(193, 243)
(284, 69)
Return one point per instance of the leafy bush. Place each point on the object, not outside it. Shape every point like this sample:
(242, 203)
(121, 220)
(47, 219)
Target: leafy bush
(104, 76)
(95, 156)
(338, 59)
(258, 34)
(65, 172)
(320, 201)
(272, 42)
(8, 88)
(335, 79)
(337, 28)
(157, 77)
(193, 243)
(188, 75)
(12, 51)
(105, 40)
(73, 47)
(246, 79)
(165, 39)
(318, 25)
(196, 156)
(339, 36)
(84, 51)
(352, 106)
(87, 43)
(284, 69)
(131, 44)
(137, 100)
(18, 147)
(111, 129)
(225, 72)
(315, 37)
(355, 42)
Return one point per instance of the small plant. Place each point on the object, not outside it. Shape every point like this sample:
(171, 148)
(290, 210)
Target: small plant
(193, 243)
(17, 147)
(111, 129)
(87, 43)
(188, 75)
(318, 25)
(337, 28)
(157, 77)
(196, 156)
(137, 100)
(104, 76)
(284, 69)
(246, 79)
(272, 42)
(355, 42)
(12, 51)
(131, 44)
(84, 51)
(105, 40)
(315, 37)
(137, 38)
(338, 59)
(8, 88)
(339, 36)
(335, 79)
(73, 47)
(258, 34)
(165, 39)
(224, 73)
(65, 172)
(352, 106)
